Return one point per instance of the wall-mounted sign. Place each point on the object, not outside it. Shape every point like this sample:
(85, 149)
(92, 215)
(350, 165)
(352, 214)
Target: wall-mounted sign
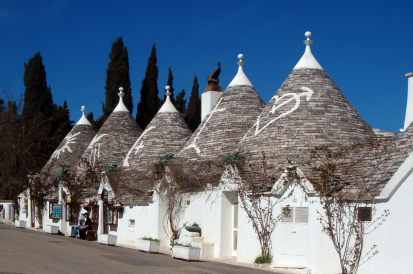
(57, 211)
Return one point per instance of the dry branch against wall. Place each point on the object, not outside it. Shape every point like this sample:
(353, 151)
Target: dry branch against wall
(347, 178)
(81, 182)
(180, 177)
(254, 183)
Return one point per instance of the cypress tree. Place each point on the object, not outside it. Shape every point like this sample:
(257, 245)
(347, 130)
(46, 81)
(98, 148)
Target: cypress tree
(193, 113)
(37, 95)
(2, 106)
(45, 123)
(180, 102)
(170, 83)
(117, 75)
(149, 102)
(61, 122)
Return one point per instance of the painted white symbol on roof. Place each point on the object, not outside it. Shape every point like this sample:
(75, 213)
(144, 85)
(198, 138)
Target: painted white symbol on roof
(95, 149)
(278, 103)
(70, 139)
(210, 113)
(137, 148)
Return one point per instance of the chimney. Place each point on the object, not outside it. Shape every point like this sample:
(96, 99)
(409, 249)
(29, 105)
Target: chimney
(212, 92)
(409, 108)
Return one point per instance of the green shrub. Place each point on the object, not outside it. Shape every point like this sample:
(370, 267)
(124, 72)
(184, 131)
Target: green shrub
(150, 239)
(263, 259)
(179, 244)
(195, 224)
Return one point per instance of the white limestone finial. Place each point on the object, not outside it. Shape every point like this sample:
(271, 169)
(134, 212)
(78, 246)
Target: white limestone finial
(308, 60)
(168, 106)
(121, 94)
(121, 106)
(240, 62)
(240, 79)
(308, 42)
(167, 92)
(83, 120)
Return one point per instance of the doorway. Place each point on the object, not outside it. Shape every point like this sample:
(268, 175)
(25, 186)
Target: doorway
(234, 228)
(33, 213)
(294, 233)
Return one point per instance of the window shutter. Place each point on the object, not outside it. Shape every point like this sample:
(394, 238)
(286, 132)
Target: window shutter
(287, 216)
(301, 215)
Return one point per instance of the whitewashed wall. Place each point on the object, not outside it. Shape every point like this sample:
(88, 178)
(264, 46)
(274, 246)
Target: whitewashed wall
(394, 239)
(148, 222)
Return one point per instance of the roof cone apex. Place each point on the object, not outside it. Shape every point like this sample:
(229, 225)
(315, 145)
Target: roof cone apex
(240, 79)
(308, 60)
(83, 120)
(121, 106)
(168, 106)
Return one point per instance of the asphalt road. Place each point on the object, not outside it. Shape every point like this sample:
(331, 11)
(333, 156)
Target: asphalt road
(28, 251)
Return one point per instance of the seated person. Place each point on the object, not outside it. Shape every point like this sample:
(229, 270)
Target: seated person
(82, 224)
(75, 228)
(88, 226)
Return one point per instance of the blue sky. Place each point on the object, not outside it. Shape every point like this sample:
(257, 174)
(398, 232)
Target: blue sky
(365, 46)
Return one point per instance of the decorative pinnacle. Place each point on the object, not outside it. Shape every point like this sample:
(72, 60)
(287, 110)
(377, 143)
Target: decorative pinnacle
(121, 94)
(308, 42)
(240, 62)
(167, 92)
(83, 109)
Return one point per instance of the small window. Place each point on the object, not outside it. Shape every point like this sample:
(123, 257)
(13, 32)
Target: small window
(364, 214)
(131, 222)
(112, 215)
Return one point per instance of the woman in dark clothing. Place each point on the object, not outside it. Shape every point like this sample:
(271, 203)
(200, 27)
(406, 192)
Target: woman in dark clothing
(88, 226)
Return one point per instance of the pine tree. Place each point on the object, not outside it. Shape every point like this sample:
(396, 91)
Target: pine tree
(117, 75)
(37, 95)
(170, 83)
(180, 102)
(149, 102)
(193, 113)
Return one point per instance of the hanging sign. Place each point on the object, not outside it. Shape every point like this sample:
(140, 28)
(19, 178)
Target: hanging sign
(57, 211)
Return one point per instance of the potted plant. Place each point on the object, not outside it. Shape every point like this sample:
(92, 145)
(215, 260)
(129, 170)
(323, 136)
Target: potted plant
(193, 228)
(148, 244)
(185, 252)
(20, 224)
(51, 229)
(263, 261)
(107, 239)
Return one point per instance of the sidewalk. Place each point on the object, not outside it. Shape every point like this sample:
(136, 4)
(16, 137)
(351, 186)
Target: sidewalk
(232, 261)
(228, 260)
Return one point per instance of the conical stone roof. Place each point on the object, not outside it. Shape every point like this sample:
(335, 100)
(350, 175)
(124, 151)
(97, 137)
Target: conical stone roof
(166, 133)
(70, 149)
(114, 139)
(307, 110)
(222, 129)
